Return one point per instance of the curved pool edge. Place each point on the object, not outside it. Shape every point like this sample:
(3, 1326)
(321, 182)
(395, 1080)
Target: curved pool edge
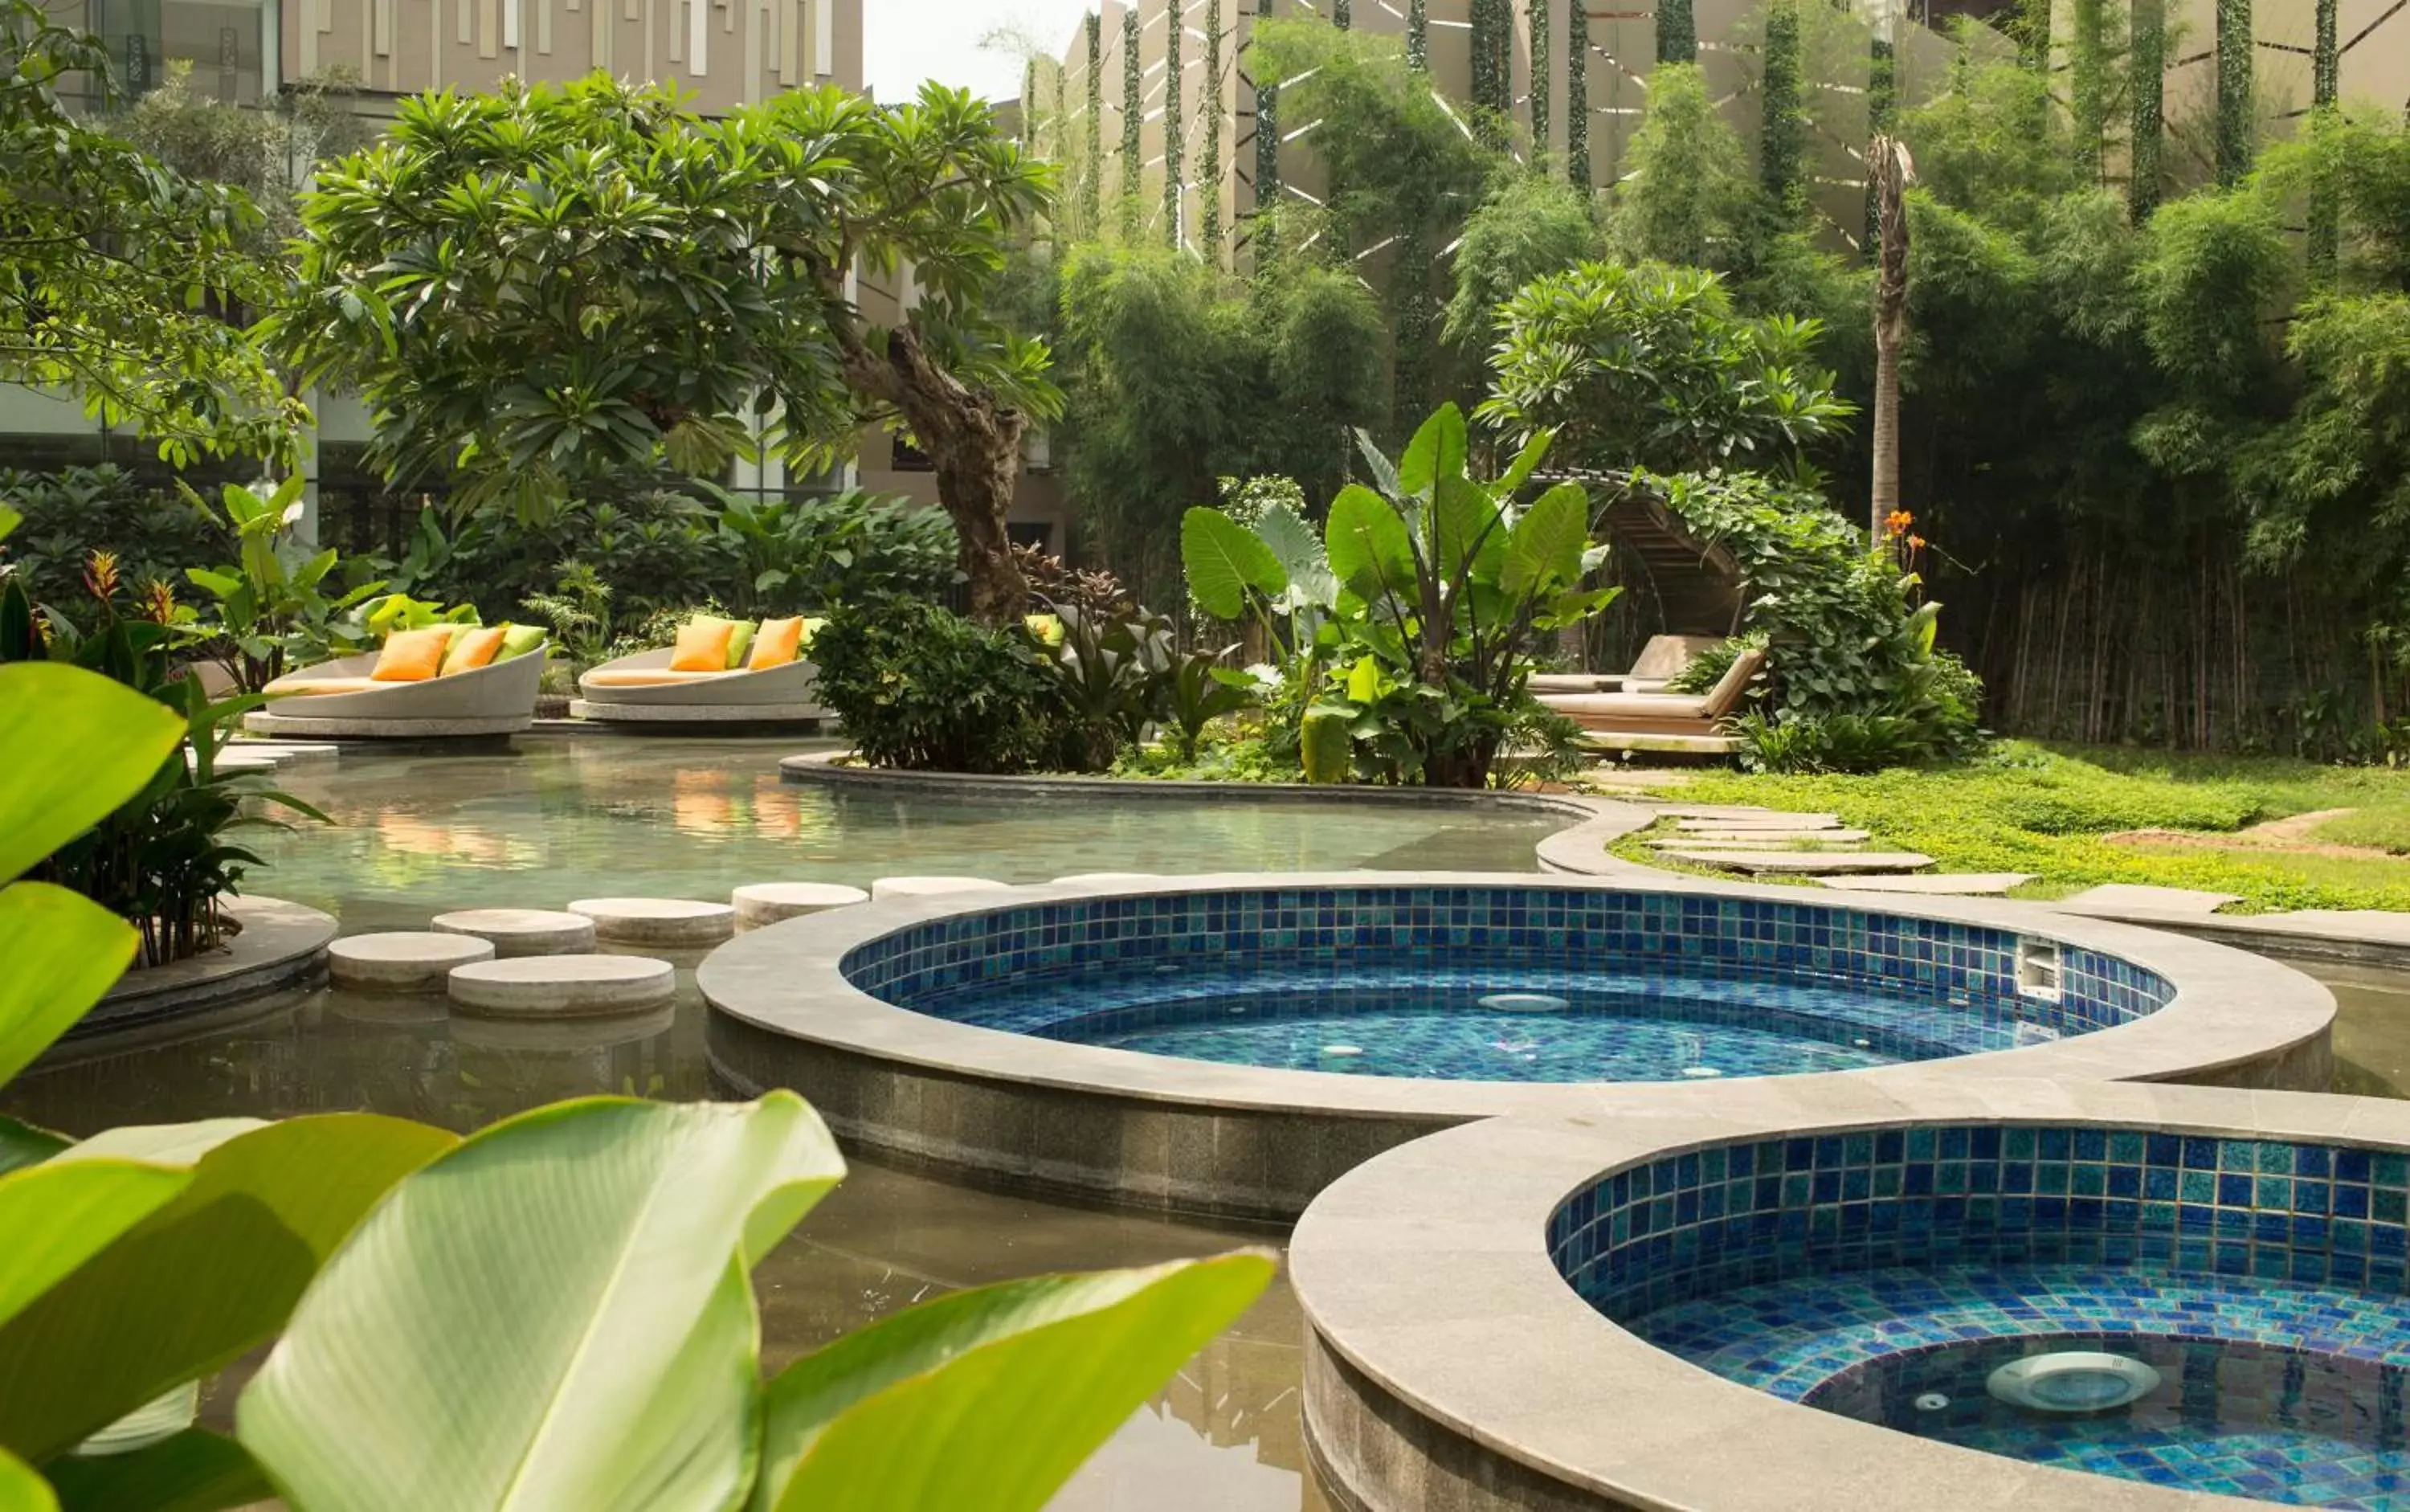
(1444, 1347)
(1254, 1143)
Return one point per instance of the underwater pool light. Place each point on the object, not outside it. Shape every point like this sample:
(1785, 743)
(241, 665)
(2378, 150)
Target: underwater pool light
(2073, 1380)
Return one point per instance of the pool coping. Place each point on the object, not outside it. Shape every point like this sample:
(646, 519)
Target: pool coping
(1443, 1346)
(1257, 1143)
(282, 945)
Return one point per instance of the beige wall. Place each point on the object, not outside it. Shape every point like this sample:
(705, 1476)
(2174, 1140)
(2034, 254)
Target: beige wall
(724, 52)
(2373, 35)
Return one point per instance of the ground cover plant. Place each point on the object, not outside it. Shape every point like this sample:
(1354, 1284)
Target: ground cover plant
(2051, 811)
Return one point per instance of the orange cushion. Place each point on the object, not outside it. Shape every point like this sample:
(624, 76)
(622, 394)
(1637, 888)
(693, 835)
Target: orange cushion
(776, 644)
(411, 655)
(470, 649)
(701, 646)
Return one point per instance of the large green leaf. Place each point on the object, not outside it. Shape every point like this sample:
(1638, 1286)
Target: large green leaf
(1526, 462)
(992, 1398)
(1326, 745)
(1300, 551)
(1226, 561)
(209, 1275)
(21, 1489)
(194, 1471)
(1545, 553)
(1466, 525)
(74, 746)
(62, 951)
(1370, 549)
(24, 1145)
(63, 1214)
(555, 1315)
(9, 520)
(1436, 452)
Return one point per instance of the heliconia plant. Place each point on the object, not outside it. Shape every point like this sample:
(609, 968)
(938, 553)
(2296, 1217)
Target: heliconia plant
(555, 1313)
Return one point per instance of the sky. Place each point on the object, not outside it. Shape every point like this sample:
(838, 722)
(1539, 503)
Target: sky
(910, 40)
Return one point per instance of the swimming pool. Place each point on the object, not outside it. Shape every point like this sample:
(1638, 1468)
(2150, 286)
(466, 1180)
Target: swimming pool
(1503, 984)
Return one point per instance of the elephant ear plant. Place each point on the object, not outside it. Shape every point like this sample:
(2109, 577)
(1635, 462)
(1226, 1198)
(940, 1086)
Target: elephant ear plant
(555, 1313)
(1412, 622)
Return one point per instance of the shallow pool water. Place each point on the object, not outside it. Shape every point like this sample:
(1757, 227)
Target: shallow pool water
(2263, 1421)
(557, 817)
(1612, 1027)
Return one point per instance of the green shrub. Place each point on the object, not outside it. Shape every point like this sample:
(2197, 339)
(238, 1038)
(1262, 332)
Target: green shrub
(76, 511)
(920, 688)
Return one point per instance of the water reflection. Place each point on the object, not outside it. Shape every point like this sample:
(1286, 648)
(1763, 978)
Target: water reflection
(1222, 1438)
(556, 819)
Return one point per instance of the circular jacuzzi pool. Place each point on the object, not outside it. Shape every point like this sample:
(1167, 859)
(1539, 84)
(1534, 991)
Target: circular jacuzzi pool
(1503, 984)
(1949, 1292)
(1230, 1043)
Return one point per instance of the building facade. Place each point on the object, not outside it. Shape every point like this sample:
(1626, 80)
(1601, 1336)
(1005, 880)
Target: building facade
(1577, 76)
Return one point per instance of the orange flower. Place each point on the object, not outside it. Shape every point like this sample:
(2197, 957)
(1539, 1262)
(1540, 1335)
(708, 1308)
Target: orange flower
(1916, 543)
(158, 602)
(1898, 522)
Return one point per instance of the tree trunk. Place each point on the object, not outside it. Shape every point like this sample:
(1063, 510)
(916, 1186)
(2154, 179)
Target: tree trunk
(973, 441)
(1889, 163)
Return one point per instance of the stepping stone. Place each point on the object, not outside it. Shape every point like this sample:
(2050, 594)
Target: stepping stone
(1725, 811)
(2115, 898)
(1804, 862)
(562, 986)
(895, 889)
(516, 932)
(403, 961)
(284, 753)
(1772, 836)
(1767, 821)
(766, 902)
(670, 921)
(1947, 884)
(1079, 878)
(1785, 842)
(228, 764)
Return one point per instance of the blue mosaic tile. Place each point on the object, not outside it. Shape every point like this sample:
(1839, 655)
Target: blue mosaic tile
(1802, 1265)
(1768, 986)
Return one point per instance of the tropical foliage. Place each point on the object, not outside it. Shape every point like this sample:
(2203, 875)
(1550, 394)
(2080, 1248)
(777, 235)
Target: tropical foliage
(431, 1345)
(1407, 629)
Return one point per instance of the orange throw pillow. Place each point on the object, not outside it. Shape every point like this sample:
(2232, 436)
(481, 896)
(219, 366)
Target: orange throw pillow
(701, 646)
(776, 644)
(411, 655)
(470, 649)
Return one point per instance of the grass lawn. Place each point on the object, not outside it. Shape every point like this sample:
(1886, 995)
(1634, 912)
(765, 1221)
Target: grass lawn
(2048, 811)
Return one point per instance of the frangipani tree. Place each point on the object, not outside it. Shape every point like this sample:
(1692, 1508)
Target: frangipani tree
(553, 1314)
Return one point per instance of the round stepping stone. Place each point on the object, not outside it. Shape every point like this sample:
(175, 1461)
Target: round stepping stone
(672, 921)
(766, 902)
(1948, 885)
(1083, 876)
(405, 961)
(561, 1036)
(561, 986)
(892, 889)
(516, 932)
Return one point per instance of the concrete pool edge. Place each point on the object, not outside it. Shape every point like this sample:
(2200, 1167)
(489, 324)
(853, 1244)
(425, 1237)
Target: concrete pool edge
(1446, 1347)
(281, 945)
(1254, 1143)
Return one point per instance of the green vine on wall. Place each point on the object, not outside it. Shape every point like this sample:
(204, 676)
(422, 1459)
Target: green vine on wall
(1209, 165)
(2088, 85)
(1133, 116)
(1418, 36)
(1577, 92)
(1677, 32)
(2233, 125)
(1543, 86)
(2325, 75)
(1268, 176)
(1493, 69)
(2147, 51)
(1175, 177)
(2031, 28)
(1782, 131)
(1342, 14)
(1092, 162)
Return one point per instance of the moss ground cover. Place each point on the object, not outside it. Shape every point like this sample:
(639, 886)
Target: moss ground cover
(2051, 811)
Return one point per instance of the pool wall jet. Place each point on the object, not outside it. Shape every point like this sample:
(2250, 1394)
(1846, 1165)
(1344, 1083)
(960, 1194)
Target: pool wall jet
(1486, 1307)
(813, 1004)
